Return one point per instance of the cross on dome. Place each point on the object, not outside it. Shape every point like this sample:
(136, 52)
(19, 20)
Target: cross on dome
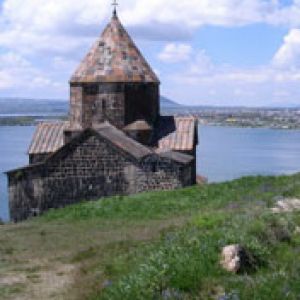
(115, 4)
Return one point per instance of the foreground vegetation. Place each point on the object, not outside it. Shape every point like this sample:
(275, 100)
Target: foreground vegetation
(163, 245)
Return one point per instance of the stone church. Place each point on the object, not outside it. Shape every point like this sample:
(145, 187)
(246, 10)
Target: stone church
(115, 141)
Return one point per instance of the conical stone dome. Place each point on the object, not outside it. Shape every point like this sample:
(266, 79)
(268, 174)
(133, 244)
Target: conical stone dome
(114, 58)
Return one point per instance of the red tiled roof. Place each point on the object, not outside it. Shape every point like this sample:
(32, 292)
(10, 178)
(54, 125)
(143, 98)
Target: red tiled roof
(177, 133)
(48, 138)
(114, 58)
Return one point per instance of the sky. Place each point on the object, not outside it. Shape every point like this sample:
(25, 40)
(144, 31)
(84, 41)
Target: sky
(221, 52)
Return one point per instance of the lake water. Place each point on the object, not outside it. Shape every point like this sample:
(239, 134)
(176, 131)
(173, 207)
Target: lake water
(224, 153)
(14, 143)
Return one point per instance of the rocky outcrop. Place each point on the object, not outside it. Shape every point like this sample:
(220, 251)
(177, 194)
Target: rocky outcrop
(287, 205)
(201, 180)
(235, 258)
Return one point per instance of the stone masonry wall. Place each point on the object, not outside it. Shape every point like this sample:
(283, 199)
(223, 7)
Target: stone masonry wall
(87, 170)
(23, 186)
(76, 100)
(38, 158)
(118, 103)
(161, 174)
(141, 102)
(104, 107)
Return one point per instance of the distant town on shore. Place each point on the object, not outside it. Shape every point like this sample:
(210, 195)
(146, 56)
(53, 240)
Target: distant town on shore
(26, 112)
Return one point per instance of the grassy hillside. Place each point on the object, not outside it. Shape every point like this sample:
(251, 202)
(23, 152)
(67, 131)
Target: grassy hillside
(163, 245)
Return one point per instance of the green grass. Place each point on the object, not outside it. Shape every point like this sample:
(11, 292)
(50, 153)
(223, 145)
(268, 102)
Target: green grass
(163, 245)
(159, 205)
(187, 261)
(8, 291)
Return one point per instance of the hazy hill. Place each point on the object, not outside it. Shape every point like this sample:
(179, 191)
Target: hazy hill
(167, 103)
(29, 106)
(47, 107)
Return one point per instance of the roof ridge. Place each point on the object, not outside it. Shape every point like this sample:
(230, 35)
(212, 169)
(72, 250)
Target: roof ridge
(120, 132)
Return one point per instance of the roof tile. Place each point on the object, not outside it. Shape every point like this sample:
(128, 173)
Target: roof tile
(48, 138)
(176, 133)
(114, 58)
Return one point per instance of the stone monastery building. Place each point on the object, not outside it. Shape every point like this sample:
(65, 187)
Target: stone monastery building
(115, 141)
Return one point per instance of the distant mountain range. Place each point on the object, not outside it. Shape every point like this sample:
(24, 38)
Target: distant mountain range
(167, 103)
(17, 106)
(30, 107)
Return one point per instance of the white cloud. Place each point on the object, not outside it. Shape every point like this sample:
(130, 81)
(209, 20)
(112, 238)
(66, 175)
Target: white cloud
(63, 26)
(43, 41)
(175, 53)
(195, 13)
(11, 59)
(19, 75)
(257, 86)
(6, 81)
(61, 63)
(53, 15)
(59, 26)
(288, 55)
(67, 26)
(32, 42)
(201, 65)
(288, 15)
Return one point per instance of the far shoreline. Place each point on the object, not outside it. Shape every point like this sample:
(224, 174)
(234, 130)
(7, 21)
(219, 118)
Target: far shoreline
(33, 120)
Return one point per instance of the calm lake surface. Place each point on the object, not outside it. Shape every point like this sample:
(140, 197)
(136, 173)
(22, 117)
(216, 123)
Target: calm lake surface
(224, 153)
